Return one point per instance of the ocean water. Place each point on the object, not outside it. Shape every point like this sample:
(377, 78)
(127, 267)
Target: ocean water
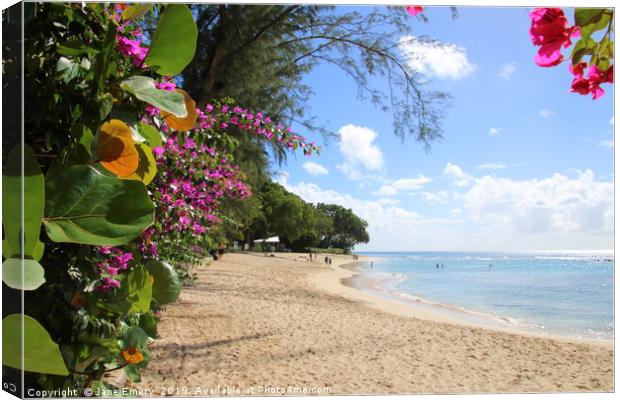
(569, 294)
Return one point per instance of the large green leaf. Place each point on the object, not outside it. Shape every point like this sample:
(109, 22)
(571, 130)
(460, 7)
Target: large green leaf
(33, 274)
(144, 89)
(34, 200)
(40, 354)
(139, 289)
(174, 41)
(84, 206)
(166, 284)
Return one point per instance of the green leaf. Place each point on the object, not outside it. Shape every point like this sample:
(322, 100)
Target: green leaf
(40, 354)
(81, 152)
(136, 11)
(139, 289)
(106, 101)
(38, 251)
(6, 248)
(75, 48)
(84, 206)
(148, 323)
(33, 274)
(67, 69)
(133, 373)
(144, 89)
(591, 20)
(166, 284)
(151, 134)
(134, 336)
(147, 169)
(174, 41)
(34, 200)
(95, 353)
(582, 47)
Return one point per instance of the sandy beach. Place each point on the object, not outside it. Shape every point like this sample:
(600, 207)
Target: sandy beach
(256, 325)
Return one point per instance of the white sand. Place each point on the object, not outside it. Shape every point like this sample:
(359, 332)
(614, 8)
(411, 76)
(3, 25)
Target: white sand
(268, 325)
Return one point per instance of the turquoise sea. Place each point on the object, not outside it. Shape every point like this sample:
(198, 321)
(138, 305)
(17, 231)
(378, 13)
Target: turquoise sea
(557, 293)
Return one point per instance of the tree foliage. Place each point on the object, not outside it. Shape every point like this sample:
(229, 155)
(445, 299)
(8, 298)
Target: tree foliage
(260, 55)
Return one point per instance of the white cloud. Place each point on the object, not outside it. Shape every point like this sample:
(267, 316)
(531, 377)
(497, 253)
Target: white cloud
(359, 152)
(546, 113)
(554, 204)
(315, 169)
(386, 190)
(455, 172)
(281, 177)
(507, 70)
(433, 58)
(456, 211)
(494, 131)
(388, 202)
(492, 166)
(440, 197)
(406, 184)
(606, 143)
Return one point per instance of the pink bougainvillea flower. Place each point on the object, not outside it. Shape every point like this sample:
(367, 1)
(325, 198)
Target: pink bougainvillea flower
(596, 77)
(591, 84)
(414, 10)
(550, 30)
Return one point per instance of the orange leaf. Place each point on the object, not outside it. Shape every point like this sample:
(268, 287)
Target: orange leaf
(186, 123)
(116, 150)
(132, 355)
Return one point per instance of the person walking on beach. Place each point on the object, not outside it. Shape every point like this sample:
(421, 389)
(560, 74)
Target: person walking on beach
(371, 264)
(326, 258)
(437, 266)
(330, 261)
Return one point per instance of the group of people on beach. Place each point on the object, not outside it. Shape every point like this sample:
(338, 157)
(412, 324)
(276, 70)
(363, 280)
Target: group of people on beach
(328, 261)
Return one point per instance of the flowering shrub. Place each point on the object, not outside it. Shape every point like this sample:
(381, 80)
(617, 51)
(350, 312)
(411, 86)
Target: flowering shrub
(551, 31)
(125, 174)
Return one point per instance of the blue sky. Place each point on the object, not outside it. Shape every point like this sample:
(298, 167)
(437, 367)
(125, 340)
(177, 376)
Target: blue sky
(524, 164)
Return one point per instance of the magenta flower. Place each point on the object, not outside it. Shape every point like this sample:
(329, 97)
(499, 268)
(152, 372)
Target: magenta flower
(591, 84)
(108, 284)
(414, 10)
(550, 30)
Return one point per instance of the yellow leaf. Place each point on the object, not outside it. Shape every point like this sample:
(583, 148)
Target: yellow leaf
(116, 149)
(147, 168)
(186, 123)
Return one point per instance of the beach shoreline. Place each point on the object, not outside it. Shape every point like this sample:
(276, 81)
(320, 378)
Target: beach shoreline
(257, 324)
(384, 297)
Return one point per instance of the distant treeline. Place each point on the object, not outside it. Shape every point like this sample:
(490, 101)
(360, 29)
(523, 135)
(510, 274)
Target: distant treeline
(301, 226)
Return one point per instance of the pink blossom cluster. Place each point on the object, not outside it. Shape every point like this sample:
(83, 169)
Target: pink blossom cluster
(551, 31)
(114, 262)
(592, 83)
(193, 180)
(129, 39)
(224, 116)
